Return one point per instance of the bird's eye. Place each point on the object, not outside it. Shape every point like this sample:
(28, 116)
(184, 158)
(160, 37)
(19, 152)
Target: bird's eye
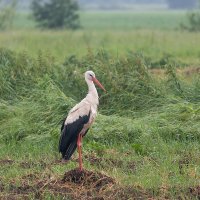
(91, 75)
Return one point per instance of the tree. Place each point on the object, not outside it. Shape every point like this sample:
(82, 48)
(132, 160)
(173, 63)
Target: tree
(55, 14)
(7, 13)
(193, 21)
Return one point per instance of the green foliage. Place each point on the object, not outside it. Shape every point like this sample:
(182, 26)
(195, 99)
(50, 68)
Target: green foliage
(55, 14)
(193, 22)
(173, 81)
(41, 92)
(7, 15)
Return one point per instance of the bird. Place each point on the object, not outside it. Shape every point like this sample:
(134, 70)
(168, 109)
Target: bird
(79, 119)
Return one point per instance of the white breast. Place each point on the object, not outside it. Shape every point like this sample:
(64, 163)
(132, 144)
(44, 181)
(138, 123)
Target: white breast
(87, 106)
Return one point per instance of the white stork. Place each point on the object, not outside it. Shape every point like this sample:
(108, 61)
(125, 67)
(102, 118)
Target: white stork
(79, 119)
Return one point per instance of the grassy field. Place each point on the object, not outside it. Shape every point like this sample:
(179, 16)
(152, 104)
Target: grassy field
(155, 34)
(146, 136)
(157, 44)
(116, 20)
(129, 20)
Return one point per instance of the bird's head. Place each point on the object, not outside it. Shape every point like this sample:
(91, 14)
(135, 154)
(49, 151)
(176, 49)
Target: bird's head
(90, 76)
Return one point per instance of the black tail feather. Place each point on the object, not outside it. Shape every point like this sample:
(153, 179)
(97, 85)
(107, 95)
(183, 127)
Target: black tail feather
(70, 150)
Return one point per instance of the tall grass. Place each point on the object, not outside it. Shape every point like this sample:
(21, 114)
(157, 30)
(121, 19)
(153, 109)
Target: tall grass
(44, 90)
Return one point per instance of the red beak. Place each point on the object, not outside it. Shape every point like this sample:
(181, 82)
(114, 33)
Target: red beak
(98, 83)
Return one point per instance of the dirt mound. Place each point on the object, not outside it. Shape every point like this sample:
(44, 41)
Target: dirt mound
(95, 185)
(87, 178)
(74, 184)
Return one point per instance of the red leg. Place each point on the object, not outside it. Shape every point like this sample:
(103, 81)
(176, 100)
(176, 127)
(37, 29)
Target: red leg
(79, 144)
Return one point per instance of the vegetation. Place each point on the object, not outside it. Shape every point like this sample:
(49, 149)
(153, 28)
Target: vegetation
(153, 33)
(56, 14)
(146, 136)
(7, 14)
(158, 46)
(153, 121)
(103, 20)
(193, 23)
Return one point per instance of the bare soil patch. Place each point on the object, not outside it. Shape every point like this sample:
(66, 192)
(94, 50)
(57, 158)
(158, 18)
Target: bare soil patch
(195, 191)
(6, 162)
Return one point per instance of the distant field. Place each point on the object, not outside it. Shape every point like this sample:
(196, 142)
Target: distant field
(156, 44)
(132, 20)
(117, 20)
(156, 34)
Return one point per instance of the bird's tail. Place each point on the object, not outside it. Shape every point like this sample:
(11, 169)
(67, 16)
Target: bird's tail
(70, 150)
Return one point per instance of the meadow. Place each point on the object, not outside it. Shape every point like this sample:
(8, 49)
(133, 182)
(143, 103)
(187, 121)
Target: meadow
(155, 34)
(147, 133)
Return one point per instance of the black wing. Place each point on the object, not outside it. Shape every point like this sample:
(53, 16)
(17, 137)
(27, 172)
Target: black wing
(69, 136)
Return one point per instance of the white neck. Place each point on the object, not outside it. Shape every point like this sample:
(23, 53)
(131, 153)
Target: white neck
(92, 95)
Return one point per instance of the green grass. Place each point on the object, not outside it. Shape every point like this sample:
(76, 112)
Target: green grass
(116, 20)
(129, 20)
(182, 46)
(155, 34)
(23, 20)
(146, 135)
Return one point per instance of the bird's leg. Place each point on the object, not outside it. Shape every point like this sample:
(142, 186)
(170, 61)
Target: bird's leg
(79, 144)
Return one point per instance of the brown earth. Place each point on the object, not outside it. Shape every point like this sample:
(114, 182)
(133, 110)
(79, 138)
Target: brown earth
(85, 185)
(6, 162)
(74, 184)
